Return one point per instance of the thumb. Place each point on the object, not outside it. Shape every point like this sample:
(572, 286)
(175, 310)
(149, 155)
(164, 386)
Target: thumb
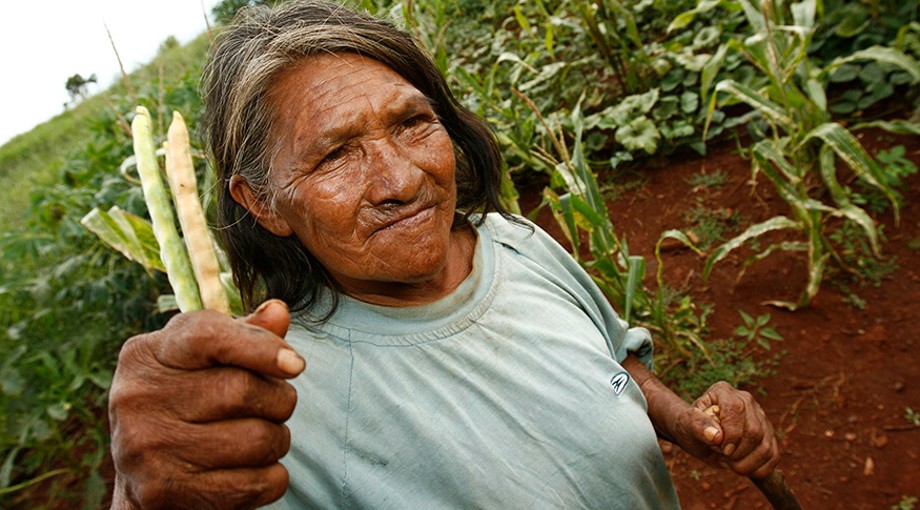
(272, 315)
(706, 426)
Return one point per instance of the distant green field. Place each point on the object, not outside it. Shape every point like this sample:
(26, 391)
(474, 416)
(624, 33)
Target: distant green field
(34, 158)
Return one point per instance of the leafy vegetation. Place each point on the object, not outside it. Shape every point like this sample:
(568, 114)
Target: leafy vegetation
(797, 145)
(67, 301)
(580, 94)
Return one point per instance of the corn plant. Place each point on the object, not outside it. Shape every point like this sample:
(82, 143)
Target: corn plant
(582, 214)
(800, 146)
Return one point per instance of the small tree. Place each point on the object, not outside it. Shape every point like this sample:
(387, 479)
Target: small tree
(77, 87)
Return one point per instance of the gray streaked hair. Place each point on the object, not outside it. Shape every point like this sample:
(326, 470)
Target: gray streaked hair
(250, 55)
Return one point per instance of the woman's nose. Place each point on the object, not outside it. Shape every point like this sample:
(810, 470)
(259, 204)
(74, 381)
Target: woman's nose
(393, 176)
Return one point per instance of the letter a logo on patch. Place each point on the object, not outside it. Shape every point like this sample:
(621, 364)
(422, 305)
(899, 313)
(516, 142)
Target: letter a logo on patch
(619, 382)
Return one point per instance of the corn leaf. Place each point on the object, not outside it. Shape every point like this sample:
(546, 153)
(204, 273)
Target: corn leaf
(754, 16)
(685, 18)
(754, 231)
(803, 13)
(711, 70)
(128, 233)
(848, 148)
(561, 206)
(846, 208)
(815, 275)
(898, 126)
(770, 151)
(592, 218)
(770, 110)
(881, 54)
(633, 280)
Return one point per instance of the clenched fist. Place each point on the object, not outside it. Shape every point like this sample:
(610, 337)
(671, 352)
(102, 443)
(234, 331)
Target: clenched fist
(197, 411)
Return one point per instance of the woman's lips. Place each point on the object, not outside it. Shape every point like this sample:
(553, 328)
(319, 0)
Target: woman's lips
(411, 218)
(407, 217)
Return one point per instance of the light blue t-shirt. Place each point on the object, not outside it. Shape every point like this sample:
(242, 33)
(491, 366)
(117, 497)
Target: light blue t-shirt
(506, 394)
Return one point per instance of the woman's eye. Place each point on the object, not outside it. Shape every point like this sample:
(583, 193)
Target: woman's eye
(335, 155)
(418, 120)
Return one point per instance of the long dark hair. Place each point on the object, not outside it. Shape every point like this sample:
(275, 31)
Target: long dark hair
(262, 43)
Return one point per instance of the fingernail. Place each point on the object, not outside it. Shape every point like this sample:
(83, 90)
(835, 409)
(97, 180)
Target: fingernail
(710, 433)
(290, 362)
(728, 450)
(262, 307)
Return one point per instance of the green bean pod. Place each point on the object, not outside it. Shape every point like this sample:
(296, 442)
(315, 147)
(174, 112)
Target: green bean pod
(180, 172)
(172, 250)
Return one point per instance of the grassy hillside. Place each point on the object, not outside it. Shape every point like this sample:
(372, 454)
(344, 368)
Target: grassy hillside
(35, 158)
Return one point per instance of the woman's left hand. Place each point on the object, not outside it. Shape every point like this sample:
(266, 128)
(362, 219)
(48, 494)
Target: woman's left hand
(727, 426)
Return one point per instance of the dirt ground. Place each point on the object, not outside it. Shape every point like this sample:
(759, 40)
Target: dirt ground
(838, 397)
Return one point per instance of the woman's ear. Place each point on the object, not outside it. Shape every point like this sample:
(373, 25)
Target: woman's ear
(265, 215)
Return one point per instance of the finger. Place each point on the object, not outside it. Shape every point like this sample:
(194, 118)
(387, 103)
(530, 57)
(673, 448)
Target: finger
(768, 467)
(203, 339)
(760, 462)
(243, 443)
(757, 430)
(247, 488)
(224, 393)
(733, 421)
(705, 402)
(219, 489)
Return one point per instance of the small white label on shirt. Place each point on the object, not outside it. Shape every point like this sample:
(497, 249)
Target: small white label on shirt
(619, 382)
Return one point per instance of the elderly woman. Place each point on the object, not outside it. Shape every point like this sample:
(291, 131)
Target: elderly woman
(458, 357)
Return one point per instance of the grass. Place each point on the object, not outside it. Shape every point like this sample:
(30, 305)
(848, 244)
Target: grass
(32, 159)
(711, 225)
(715, 179)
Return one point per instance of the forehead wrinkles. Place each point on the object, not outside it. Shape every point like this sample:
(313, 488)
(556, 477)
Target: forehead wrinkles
(311, 103)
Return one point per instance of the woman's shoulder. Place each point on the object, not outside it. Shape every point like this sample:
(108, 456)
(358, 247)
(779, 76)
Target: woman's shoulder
(522, 235)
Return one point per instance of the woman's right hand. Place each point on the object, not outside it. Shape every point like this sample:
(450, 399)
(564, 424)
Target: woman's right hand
(197, 412)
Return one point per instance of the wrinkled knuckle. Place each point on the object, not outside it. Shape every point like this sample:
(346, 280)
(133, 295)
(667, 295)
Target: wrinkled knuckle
(274, 485)
(722, 386)
(746, 396)
(268, 486)
(756, 429)
(134, 446)
(273, 439)
(285, 441)
(199, 329)
(195, 329)
(133, 349)
(733, 407)
(120, 397)
(289, 401)
(278, 488)
(235, 391)
(155, 493)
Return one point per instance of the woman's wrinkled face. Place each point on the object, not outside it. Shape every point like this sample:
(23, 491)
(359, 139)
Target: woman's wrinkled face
(363, 173)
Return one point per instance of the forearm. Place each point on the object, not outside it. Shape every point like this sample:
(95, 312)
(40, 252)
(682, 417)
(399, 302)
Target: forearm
(664, 406)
